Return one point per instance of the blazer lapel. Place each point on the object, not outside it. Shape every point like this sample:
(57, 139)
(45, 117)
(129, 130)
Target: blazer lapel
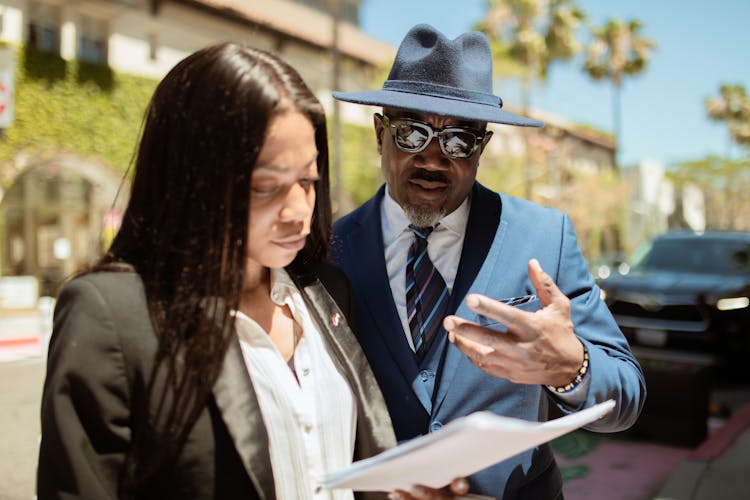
(375, 292)
(482, 244)
(374, 428)
(235, 398)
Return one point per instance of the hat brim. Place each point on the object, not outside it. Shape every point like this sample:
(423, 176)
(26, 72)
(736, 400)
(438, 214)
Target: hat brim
(434, 105)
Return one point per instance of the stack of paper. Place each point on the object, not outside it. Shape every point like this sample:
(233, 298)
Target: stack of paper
(462, 447)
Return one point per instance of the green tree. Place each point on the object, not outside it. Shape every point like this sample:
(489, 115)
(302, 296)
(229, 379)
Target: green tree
(526, 37)
(617, 50)
(70, 106)
(360, 164)
(732, 107)
(724, 181)
(725, 184)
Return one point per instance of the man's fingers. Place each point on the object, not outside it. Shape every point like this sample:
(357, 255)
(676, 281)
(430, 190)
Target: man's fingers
(480, 334)
(459, 486)
(475, 341)
(469, 337)
(545, 286)
(495, 310)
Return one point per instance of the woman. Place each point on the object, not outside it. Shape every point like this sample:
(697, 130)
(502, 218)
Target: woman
(208, 353)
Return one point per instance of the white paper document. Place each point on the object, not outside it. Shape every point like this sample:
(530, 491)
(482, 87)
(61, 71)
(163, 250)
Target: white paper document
(462, 447)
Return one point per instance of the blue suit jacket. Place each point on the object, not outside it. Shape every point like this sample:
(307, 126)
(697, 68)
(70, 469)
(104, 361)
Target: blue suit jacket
(502, 234)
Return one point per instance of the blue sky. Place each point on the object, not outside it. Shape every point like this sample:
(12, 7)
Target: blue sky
(701, 44)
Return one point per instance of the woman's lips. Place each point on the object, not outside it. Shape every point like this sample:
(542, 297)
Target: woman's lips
(292, 243)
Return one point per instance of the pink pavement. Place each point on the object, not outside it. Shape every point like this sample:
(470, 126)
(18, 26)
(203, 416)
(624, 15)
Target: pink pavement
(622, 470)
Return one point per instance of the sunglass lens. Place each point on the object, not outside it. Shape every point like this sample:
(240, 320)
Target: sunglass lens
(410, 136)
(458, 143)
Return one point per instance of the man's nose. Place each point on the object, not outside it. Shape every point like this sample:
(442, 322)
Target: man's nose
(432, 157)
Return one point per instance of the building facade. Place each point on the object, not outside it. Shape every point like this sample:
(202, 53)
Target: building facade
(58, 205)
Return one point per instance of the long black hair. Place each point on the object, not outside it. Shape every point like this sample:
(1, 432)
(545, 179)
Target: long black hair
(185, 227)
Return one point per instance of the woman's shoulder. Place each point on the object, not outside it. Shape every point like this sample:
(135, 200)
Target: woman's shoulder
(107, 308)
(106, 278)
(116, 289)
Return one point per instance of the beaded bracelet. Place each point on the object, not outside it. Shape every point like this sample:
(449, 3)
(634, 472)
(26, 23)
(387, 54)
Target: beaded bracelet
(582, 371)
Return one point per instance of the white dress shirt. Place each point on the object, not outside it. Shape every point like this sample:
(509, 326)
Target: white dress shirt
(444, 247)
(311, 424)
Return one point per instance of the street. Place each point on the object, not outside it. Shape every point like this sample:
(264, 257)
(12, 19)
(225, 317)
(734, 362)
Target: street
(20, 390)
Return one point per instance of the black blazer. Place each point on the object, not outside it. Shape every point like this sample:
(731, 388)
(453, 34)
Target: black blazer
(100, 357)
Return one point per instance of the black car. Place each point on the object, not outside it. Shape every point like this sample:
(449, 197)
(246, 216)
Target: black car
(686, 290)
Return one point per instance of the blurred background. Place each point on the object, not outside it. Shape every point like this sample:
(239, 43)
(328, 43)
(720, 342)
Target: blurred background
(647, 132)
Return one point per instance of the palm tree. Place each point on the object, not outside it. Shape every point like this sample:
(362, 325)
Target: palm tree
(725, 183)
(526, 37)
(617, 50)
(733, 108)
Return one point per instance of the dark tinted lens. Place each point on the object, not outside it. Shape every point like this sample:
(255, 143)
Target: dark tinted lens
(457, 143)
(410, 136)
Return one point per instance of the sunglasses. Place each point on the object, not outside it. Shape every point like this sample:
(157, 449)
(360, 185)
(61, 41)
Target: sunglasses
(412, 136)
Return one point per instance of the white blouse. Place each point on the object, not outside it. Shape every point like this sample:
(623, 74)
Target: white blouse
(311, 424)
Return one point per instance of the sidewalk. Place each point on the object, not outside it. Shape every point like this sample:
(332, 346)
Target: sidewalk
(23, 332)
(718, 468)
(614, 467)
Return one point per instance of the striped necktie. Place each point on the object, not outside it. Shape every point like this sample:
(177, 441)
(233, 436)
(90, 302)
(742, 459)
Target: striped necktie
(426, 293)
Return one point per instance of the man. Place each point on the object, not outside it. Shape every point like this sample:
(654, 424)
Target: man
(433, 248)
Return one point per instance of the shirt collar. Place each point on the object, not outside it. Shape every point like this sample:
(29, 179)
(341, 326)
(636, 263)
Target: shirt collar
(282, 292)
(282, 286)
(395, 221)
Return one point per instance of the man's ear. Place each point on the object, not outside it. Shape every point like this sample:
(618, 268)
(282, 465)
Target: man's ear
(485, 141)
(377, 121)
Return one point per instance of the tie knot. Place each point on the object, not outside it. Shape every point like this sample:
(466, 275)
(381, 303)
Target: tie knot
(421, 232)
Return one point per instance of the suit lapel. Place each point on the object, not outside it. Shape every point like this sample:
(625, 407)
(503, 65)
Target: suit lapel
(482, 244)
(375, 292)
(374, 428)
(236, 400)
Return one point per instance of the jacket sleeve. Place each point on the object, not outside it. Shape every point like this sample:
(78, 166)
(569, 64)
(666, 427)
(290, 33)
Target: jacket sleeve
(85, 401)
(614, 371)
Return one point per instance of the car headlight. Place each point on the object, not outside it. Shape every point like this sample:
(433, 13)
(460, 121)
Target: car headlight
(603, 272)
(623, 268)
(732, 303)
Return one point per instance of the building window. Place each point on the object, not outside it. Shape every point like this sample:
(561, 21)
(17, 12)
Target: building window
(92, 40)
(44, 27)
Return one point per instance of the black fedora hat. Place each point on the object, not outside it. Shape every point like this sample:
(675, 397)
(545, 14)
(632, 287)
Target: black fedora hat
(434, 75)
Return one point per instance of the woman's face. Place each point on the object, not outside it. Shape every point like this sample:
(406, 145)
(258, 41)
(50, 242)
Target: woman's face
(282, 191)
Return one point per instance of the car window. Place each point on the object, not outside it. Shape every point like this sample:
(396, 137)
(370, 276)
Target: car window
(742, 258)
(697, 255)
